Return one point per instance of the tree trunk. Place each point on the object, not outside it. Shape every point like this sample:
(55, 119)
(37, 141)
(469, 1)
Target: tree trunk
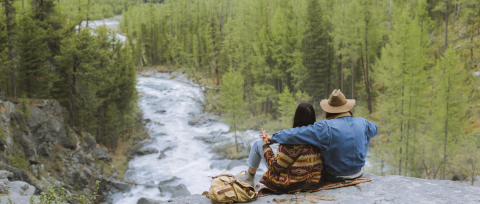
(88, 10)
(390, 24)
(446, 128)
(367, 84)
(446, 26)
(353, 75)
(471, 38)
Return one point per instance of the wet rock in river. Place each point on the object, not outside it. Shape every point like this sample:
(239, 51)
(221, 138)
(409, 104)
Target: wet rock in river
(148, 201)
(235, 163)
(219, 164)
(176, 191)
(145, 151)
(217, 157)
(161, 111)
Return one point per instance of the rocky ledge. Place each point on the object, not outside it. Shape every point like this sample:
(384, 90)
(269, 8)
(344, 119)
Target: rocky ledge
(382, 189)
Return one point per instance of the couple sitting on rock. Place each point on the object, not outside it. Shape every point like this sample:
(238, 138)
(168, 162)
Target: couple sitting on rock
(313, 152)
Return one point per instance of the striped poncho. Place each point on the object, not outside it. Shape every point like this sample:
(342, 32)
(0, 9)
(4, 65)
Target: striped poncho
(294, 167)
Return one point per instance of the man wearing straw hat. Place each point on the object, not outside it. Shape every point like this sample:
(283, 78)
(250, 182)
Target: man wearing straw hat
(342, 139)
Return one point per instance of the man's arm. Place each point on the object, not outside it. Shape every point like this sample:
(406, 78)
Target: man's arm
(372, 129)
(317, 134)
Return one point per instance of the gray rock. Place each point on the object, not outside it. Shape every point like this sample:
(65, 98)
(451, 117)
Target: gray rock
(150, 184)
(113, 186)
(17, 174)
(146, 150)
(53, 108)
(79, 180)
(169, 181)
(129, 175)
(3, 190)
(164, 149)
(162, 155)
(101, 154)
(161, 111)
(44, 150)
(217, 157)
(235, 163)
(175, 191)
(81, 159)
(148, 201)
(20, 188)
(206, 139)
(89, 141)
(219, 164)
(197, 199)
(67, 143)
(5, 174)
(199, 120)
(28, 147)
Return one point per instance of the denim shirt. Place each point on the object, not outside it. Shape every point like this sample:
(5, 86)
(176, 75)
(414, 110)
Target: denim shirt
(342, 141)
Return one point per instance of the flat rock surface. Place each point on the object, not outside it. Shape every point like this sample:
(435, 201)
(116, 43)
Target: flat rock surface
(382, 189)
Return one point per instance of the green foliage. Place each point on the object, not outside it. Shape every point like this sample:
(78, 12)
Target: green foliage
(25, 107)
(33, 76)
(287, 107)
(60, 195)
(17, 159)
(231, 100)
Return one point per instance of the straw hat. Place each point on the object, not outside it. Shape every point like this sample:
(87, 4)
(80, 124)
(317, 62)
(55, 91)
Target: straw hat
(337, 103)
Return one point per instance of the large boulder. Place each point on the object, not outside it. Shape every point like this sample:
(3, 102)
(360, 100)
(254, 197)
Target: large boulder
(20, 188)
(234, 163)
(145, 151)
(148, 201)
(219, 164)
(101, 153)
(28, 147)
(175, 191)
(90, 142)
(80, 180)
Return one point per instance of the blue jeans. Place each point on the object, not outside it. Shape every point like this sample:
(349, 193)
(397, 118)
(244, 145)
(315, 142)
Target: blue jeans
(256, 155)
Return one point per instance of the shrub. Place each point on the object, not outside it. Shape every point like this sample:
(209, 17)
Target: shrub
(17, 159)
(54, 195)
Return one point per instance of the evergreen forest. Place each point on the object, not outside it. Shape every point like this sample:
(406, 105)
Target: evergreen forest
(412, 66)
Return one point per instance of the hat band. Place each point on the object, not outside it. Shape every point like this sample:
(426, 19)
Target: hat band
(338, 105)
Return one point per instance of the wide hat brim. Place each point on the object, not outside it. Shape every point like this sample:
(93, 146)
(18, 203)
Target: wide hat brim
(337, 109)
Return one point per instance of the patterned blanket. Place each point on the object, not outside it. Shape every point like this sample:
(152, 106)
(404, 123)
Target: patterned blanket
(264, 191)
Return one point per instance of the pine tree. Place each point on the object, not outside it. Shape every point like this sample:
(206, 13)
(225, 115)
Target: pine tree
(287, 107)
(10, 28)
(450, 102)
(33, 76)
(232, 100)
(317, 52)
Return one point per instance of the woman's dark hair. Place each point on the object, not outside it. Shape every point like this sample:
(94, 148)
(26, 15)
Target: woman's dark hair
(328, 115)
(304, 115)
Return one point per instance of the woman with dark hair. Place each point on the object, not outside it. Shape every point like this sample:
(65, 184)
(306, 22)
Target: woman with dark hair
(294, 167)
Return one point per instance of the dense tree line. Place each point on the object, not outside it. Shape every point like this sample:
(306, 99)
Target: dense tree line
(89, 71)
(410, 64)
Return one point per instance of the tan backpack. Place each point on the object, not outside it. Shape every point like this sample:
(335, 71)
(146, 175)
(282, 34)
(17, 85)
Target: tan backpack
(227, 188)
